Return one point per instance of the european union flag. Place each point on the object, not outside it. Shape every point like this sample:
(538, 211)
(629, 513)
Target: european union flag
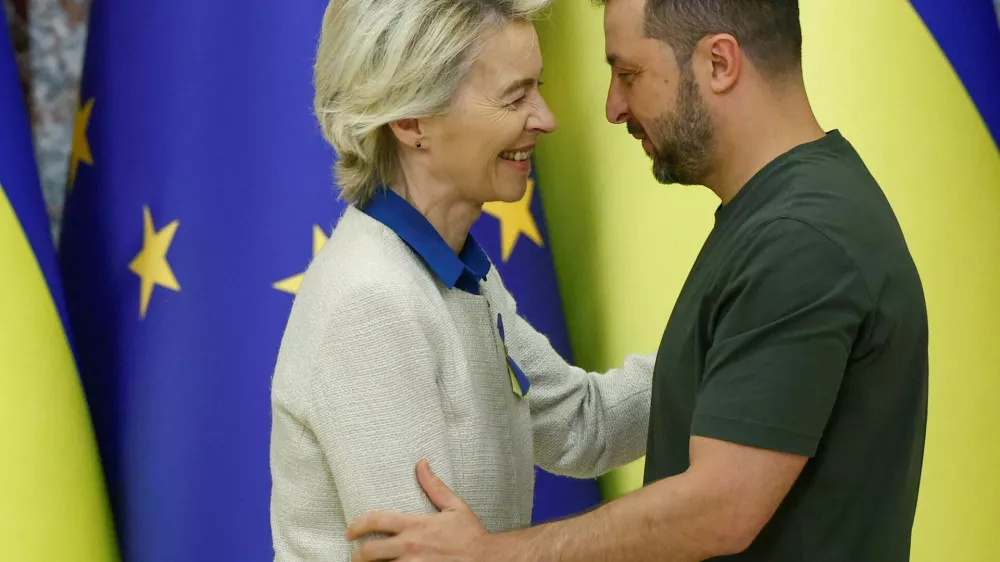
(201, 188)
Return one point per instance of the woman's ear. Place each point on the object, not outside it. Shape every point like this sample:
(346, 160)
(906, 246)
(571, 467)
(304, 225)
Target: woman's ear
(409, 132)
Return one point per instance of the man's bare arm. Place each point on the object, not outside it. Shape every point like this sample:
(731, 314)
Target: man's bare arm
(717, 507)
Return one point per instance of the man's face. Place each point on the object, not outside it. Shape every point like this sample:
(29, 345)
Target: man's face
(658, 100)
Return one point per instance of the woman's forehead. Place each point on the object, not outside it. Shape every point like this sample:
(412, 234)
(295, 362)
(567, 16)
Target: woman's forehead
(511, 54)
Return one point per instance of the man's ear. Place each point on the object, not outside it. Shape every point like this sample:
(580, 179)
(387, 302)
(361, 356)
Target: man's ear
(720, 58)
(409, 132)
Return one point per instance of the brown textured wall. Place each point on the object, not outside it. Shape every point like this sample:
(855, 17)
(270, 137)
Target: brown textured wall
(49, 37)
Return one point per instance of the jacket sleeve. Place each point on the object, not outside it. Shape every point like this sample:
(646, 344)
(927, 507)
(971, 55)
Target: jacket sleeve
(370, 410)
(584, 424)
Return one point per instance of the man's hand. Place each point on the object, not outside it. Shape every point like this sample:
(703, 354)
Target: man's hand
(455, 534)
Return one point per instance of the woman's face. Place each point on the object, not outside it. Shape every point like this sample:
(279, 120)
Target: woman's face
(483, 144)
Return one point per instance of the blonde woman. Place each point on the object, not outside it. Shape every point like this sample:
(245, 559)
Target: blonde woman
(403, 343)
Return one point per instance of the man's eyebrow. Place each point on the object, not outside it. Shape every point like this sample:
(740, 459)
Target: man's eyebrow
(517, 85)
(616, 60)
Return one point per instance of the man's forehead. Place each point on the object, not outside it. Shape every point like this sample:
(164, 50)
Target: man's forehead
(625, 16)
(623, 25)
(620, 46)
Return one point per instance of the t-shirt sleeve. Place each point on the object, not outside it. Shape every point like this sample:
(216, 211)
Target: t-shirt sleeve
(792, 307)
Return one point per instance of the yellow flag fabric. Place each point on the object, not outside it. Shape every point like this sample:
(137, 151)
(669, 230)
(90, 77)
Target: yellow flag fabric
(52, 501)
(53, 506)
(624, 244)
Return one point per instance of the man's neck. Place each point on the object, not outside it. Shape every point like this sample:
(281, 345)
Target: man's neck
(760, 132)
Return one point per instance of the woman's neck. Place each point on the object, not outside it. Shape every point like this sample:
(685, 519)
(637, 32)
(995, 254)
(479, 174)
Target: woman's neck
(451, 216)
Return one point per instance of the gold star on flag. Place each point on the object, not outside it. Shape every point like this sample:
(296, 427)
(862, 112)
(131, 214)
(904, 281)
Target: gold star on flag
(151, 264)
(515, 219)
(80, 151)
(291, 284)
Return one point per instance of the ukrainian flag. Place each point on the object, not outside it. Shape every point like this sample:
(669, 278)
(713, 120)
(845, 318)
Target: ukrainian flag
(52, 501)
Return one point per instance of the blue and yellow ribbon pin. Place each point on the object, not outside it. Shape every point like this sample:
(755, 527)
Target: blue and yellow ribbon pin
(518, 380)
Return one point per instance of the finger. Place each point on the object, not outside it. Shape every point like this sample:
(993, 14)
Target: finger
(379, 549)
(385, 522)
(437, 491)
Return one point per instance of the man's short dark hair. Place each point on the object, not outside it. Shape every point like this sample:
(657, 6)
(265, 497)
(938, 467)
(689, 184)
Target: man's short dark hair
(768, 31)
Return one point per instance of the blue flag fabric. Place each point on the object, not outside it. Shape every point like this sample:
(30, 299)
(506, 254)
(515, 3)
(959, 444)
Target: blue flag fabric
(968, 34)
(201, 188)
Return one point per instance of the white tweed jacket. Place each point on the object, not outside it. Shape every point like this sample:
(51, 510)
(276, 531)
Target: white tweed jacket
(382, 365)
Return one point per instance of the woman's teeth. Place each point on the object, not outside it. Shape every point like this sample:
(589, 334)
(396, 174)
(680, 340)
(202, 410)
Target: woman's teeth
(516, 156)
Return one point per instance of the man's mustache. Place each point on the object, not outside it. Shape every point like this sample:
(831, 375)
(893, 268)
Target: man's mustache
(634, 129)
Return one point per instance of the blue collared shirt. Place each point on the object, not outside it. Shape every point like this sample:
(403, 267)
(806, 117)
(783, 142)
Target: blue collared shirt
(463, 271)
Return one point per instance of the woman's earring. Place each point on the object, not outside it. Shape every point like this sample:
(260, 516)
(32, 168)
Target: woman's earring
(418, 144)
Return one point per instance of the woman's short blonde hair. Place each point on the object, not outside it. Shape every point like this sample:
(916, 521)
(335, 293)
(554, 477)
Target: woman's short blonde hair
(384, 60)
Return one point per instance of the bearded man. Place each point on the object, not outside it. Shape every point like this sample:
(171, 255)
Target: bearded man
(789, 399)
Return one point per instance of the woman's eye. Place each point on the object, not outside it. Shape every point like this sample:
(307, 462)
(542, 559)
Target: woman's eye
(518, 101)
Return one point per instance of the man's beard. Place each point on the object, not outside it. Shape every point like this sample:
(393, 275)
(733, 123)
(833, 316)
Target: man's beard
(682, 139)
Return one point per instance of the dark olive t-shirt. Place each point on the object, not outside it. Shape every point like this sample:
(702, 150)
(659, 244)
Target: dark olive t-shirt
(802, 328)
